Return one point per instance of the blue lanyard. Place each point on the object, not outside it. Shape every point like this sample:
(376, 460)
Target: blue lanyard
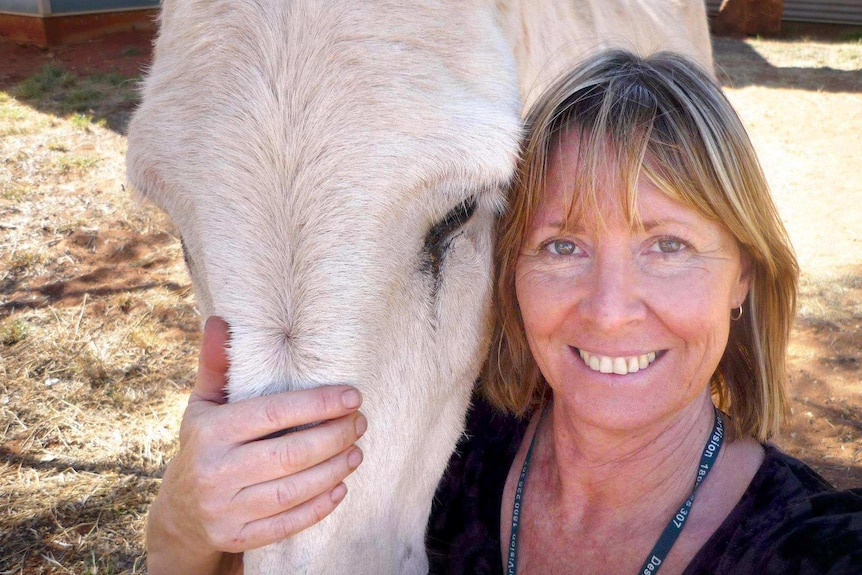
(674, 527)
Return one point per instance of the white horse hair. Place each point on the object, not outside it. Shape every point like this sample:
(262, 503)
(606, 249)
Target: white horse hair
(334, 169)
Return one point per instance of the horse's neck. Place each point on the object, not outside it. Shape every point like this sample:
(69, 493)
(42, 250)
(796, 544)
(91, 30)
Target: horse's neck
(379, 528)
(548, 36)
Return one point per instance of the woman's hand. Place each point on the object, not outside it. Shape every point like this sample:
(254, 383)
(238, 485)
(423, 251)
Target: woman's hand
(227, 490)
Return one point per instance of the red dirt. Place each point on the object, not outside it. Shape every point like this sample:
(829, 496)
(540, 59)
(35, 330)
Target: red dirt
(106, 261)
(126, 53)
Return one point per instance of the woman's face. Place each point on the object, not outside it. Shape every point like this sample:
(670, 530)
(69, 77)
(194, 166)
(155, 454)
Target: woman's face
(627, 324)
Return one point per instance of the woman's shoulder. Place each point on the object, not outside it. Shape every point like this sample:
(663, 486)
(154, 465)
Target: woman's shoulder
(790, 520)
(464, 528)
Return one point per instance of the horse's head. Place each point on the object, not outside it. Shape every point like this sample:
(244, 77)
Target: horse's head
(334, 176)
(334, 169)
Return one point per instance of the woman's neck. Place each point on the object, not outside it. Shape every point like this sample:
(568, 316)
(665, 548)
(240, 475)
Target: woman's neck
(594, 473)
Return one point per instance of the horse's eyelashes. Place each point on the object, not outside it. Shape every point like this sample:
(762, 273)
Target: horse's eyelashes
(456, 218)
(186, 256)
(437, 238)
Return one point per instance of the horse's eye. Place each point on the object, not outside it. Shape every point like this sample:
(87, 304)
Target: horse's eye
(437, 238)
(186, 257)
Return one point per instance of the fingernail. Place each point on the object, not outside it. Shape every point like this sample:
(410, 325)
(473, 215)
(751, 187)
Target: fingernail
(338, 493)
(351, 399)
(361, 424)
(354, 458)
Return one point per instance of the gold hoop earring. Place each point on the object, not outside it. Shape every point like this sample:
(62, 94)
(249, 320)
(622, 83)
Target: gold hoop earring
(738, 315)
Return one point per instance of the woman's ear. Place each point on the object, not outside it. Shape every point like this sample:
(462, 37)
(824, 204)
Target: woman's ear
(743, 282)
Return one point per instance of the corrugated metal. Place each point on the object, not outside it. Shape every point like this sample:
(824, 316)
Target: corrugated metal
(64, 7)
(834, 12)
(85, 6)
(827, 12)
(19, 6)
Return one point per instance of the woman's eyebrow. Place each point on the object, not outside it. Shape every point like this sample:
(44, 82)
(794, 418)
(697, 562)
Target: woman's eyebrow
(648, 225)
(564, 226)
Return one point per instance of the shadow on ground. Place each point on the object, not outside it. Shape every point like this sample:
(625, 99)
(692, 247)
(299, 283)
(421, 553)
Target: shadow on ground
(739, 65)
(109, 261)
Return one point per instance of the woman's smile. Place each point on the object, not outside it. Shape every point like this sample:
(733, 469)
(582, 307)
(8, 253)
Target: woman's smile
(619, 365)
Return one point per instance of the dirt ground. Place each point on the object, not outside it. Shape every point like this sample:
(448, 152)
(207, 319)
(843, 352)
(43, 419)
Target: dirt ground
(127, 54)
(802, 105)
(98, 332)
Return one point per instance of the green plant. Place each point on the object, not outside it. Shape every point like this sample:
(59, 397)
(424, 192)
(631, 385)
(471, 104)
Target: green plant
(84, 98)
(12, 331)
(13, 193)
(63, 93)
(852, 35)
(57, 146)
(130, 51)
(86, 121)
(24, 259)
(112, 78)
(48, 79)
(75, 163)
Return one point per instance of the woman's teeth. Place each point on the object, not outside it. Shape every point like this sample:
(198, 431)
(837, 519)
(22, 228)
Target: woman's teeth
(618, 365)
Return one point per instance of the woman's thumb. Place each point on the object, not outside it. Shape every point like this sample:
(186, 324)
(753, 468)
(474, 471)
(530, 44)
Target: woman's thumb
(213, 363)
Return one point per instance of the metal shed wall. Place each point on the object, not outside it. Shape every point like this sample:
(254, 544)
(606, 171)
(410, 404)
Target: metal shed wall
(51, 22)
(32, 7)
(834, 12)
(62, 7)
(84, 6)
(827, 12)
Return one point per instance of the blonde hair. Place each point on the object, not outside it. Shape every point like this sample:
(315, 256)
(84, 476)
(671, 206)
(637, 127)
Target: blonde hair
(663, 119)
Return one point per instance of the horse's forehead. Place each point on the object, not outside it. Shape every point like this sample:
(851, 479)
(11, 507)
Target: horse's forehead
(360, 91)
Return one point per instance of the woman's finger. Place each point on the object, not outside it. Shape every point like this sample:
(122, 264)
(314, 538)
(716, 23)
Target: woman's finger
(283, 525)
(283, 494)
(276, 457)
(257, 417)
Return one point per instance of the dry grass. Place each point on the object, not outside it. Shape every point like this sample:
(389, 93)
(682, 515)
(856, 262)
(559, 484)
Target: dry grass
(831, 302)
(98, 331)
(98, 336)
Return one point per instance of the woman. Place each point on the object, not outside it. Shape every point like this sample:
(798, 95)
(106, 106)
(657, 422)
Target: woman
(643, 273)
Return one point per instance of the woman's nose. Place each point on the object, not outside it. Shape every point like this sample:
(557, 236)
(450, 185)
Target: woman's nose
(613, 300)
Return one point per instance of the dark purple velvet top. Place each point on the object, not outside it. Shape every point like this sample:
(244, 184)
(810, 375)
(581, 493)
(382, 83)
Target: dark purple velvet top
(789, 520)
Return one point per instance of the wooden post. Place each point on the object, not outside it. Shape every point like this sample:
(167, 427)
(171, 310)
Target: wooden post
(748, 17)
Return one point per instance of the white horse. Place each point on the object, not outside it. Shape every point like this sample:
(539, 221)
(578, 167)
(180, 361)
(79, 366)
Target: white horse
(334, 169)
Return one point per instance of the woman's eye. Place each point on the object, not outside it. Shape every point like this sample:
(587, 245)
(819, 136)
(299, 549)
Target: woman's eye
(670, 245)
(562, 247)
